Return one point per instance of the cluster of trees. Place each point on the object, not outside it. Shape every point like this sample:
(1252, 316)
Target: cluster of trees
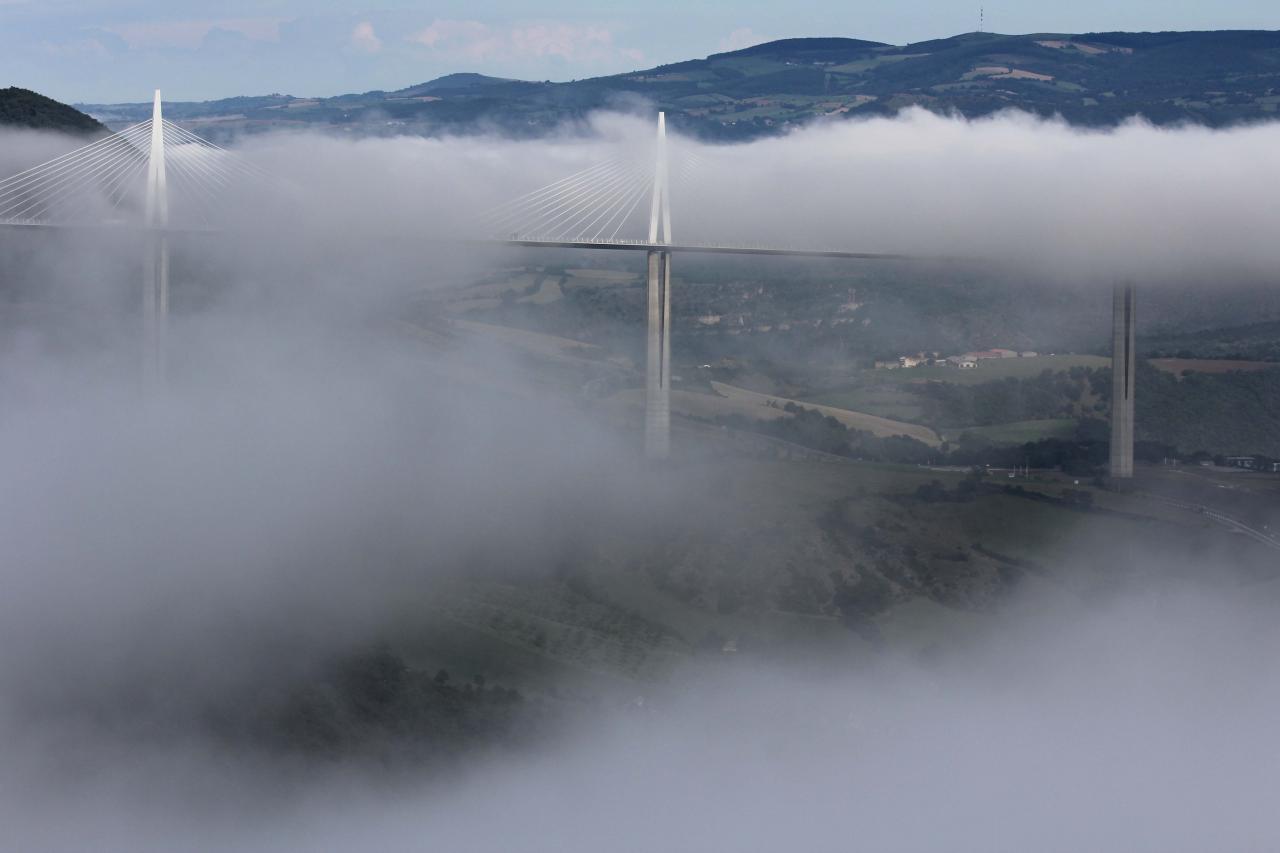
(24, 108)
(1189, 416)
(372, 702)
(936, 492)
(1252, 342)
(1220, 413)
(1060, 394)
(1084, 454)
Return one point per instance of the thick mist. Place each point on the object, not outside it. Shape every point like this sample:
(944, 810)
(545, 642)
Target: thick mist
(1138, 725)
(315, 469)
(1063, 203)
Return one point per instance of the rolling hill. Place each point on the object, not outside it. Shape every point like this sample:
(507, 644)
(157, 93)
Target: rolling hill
(24, 108)
(1097, 79)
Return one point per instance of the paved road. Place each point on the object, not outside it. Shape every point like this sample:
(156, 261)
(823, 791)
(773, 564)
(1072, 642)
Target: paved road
(1225, 520)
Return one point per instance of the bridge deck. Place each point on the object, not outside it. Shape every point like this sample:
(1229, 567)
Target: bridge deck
(706, 248)
(608, 245)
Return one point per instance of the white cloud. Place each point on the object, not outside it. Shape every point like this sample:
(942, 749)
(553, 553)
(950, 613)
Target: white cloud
(589, 43)
(81, 48)
(470, 39)
(191, 34)
(563, 40)
(740, 38)
(364, 39)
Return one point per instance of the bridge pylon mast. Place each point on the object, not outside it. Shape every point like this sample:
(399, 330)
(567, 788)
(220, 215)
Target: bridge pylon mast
(657, 416)
(1123, 373)
(155, 285)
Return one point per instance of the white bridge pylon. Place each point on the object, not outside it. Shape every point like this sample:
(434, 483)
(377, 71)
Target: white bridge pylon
(657, 390)
(154, 177)
(155, 266)
(601, 207)
(153, 174)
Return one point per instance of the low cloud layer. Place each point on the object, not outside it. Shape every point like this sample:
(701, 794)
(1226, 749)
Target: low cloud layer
(1134, 725)
(1135, 202)
(315, 466)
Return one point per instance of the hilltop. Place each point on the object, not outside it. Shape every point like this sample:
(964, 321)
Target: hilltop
(24, 108)
(1094, 79)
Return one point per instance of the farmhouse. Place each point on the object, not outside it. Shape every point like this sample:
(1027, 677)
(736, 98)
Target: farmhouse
(920, 358)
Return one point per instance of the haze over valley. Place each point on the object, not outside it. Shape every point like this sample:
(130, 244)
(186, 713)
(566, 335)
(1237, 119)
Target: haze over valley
(822, 445)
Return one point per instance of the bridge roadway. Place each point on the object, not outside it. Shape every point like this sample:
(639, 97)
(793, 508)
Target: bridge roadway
(102, 227)
(614, 245)
(710, 249)
(1227, 521)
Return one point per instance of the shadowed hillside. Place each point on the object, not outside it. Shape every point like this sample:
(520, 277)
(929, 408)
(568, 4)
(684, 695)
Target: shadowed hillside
(24, 108)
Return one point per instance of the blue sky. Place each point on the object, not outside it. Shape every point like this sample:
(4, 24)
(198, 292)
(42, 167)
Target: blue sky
(118, 50)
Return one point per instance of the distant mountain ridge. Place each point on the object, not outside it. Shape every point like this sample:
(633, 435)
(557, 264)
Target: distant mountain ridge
(24, 108)
(1214, 78)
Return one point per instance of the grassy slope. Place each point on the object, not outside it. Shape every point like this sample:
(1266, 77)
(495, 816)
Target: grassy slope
(884, 400)
(757, 405)
(1020, 432)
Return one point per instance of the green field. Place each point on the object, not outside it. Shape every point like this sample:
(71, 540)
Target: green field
(883, 400)
(1019, 432)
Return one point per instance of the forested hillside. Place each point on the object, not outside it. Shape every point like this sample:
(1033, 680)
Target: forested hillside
(24, 108)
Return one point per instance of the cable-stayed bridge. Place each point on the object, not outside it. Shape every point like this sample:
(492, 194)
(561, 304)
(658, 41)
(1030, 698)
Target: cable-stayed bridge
(609, 204)
(602, 207)
(125, 180)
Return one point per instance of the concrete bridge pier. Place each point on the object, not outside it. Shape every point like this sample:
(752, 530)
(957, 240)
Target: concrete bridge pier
(1123, 358)
(657, 378)
(657, 398)
(155, 308)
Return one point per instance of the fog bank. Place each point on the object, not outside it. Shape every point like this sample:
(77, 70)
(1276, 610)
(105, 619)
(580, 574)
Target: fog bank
(1056, 201)
(316, 466)
(1138, 725)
